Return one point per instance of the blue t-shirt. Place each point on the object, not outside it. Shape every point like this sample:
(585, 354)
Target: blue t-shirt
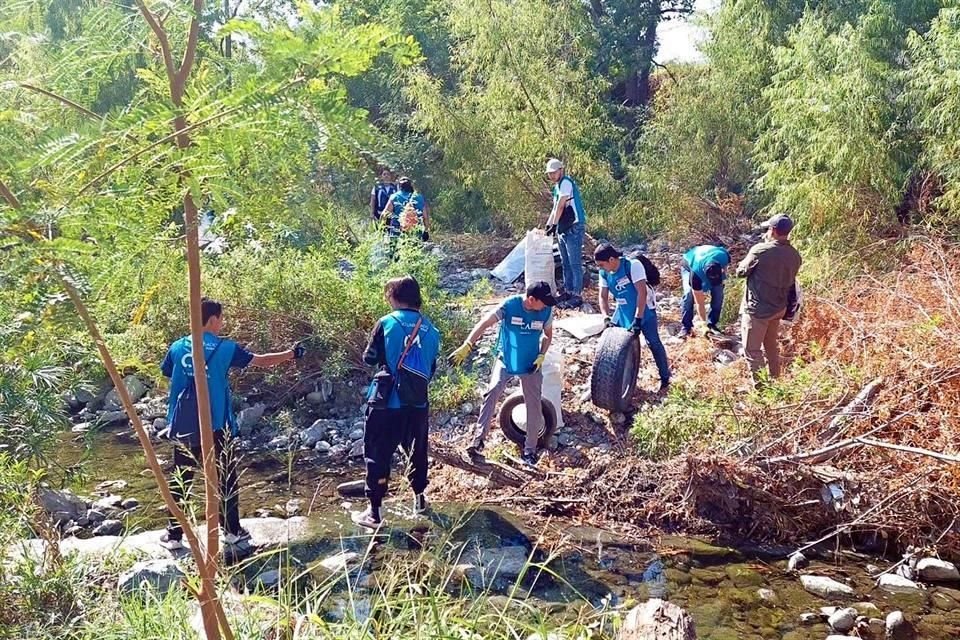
(222, 355)
(400, 200)
(390, 338)
(699, 258)
(520, 332)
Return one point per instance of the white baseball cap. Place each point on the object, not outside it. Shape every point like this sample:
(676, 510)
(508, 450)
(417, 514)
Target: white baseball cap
(554, 165)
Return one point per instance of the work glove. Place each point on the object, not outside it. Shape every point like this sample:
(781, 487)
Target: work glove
(538, 363)
(637, 327)
(551, 229)
(299, 351)
(425, 236)
(608, 323)
(459, 356)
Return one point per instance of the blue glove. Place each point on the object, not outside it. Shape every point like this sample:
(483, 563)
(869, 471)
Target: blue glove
(299, 351)
(637, 327)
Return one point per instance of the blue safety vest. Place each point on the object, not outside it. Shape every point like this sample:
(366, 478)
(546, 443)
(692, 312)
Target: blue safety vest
(397, 327)
(624, 292)
(520, 332)
(218, 381)
(573, 212)
(400, 200)
(699, 258)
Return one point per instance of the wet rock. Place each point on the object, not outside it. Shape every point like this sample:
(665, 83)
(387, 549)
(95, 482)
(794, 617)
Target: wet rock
(481, 567)
(322, 447)
(158, 576)
(842, 620)
(248, 418)
(872, 569)
(135, 388)
(946, 599)
(95, 516)
(61, 505)
(873, 628)
(310, 436)
(566, 439)
(160, 425)
(657, 620)
(340, 562)
(895, 583)
(108, 528)
(866, 608)
(743, 576)
(936, 570)
(83, 396)
(797, 561)
(767, 595)
(356, 451)
(899, 628)
(315, 398)
(269, 579)
(827, 588)
(129, 503)
(112, 417)
(356, 434)
(81, 427)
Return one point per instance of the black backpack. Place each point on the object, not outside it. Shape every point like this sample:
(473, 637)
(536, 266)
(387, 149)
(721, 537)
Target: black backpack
(185, 423)
(653, 274)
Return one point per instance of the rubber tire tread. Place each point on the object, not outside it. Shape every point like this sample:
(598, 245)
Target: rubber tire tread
(615, 350)
(515, 433)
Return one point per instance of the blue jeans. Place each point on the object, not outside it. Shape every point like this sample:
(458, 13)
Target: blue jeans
(716, 301)
(571, 256)
(651, 334)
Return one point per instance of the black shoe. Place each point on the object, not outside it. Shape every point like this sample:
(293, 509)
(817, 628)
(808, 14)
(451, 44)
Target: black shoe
(530, 458)
(420, 504)
(171, 541)
(236, 538)
(713, 328)
(664, 386)
(475, 451)
(562, 296)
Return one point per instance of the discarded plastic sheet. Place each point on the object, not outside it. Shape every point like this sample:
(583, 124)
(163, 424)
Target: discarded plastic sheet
(511, 267)
(581, 327)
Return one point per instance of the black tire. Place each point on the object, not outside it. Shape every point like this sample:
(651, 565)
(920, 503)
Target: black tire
(515, 432)
(615, 368)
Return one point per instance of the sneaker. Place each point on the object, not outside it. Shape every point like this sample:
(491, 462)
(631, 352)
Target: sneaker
(712, 328)
(366, 518)
(475, 450)
(573, 302)
(530, 458)
(664, 386)
(236, 538)
(171, 542)
(420, 504)
(562, 296)
(684, 333)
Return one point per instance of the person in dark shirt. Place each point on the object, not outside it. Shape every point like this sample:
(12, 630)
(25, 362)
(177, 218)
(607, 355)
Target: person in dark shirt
(221, 355)
(380, 195)
(403, 343)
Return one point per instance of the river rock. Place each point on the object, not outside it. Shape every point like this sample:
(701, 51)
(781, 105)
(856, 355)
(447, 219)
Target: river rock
(269, 579)
(314, 433)
(657, 620)
(293, 507)
(112, 417)
(566, 439)
(936, 570)
(810, 618)
(827, 588)
(249, 417)
(157, 575)
(95, 516)
(356, 434)
(873, 628)
(340, 562)
(129, 503)
(135, 388)
(108, 503)
(726, 357)
(108, 528)
(322, 446)
(356, 450)
(159, 425)
(315, 397)
(797, 561)
(842, 620)
(867, 608)
(61, 505)
(899, 628)
(895, 583)
(80, 427)
(481, 567)
(767, 595)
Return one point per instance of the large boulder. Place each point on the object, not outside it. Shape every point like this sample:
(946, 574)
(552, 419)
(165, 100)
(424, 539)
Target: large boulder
(899, 628)
(135, 388)
(157, 575)
(657, 620)
(62, 505)
(936, 570)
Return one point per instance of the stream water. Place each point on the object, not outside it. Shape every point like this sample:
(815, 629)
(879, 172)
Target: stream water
(720, 587)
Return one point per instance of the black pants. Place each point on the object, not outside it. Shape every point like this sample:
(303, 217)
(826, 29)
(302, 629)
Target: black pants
(186, 460)
(384, 431)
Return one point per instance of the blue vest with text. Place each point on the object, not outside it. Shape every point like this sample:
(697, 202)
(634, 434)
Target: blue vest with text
(520, 332)
(624, 292)
(574, 211)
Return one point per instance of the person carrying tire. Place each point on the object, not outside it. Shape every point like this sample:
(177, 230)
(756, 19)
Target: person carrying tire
(526, 331)
(569, 219)
(771, 268)
(636, 308)
(221, 356)
(703, 271)
(404, 346)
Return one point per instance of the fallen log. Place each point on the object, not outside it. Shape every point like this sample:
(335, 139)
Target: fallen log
(495, 472)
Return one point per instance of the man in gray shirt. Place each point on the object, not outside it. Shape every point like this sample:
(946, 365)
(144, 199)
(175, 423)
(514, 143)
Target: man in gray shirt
(770, 268)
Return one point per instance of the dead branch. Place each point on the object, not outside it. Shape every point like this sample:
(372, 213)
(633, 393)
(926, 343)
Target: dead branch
(842, 420)
(496, 473)
(906, 449)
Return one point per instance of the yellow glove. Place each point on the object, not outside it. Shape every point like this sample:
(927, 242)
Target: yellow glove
(538, 363)
(459, 356)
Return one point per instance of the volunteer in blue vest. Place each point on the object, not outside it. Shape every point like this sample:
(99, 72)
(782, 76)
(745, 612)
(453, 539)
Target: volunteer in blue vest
(381, 192)
(704, 270)
(569, 219)
(222, 355)
(526, 331)
(405, 195)
(404, 347)
(636, 302)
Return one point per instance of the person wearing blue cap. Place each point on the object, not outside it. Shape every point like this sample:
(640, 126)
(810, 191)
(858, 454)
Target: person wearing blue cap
(771, 268)
(703, 271)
